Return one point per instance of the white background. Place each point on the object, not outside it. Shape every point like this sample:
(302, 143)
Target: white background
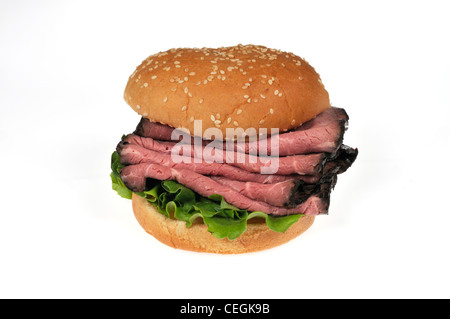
(64, 233)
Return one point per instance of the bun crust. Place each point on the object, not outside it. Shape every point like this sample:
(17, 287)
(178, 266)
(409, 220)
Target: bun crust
(174, 233)
(241, 86)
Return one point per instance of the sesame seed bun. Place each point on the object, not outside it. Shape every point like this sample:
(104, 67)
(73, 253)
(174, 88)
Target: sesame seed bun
(174, 233)
(240, 86)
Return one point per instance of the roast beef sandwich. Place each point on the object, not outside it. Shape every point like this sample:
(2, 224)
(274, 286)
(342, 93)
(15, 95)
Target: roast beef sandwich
(237, 149)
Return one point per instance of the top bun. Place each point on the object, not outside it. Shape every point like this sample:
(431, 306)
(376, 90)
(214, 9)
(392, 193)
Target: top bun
(244, 86)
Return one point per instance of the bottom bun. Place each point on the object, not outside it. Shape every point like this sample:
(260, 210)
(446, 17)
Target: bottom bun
(174, 232)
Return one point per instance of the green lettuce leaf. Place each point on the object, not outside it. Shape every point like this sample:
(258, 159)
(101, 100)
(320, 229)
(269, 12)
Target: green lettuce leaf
(175, 200)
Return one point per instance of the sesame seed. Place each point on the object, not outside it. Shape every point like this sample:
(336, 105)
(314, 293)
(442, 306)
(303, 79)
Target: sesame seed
(244, 87)
(192, 73)
(222, 71)
(213, 118)
(200, 101)
(271, 111)
(223, 77)
(145, 84)
(138, 106)
(191, 119)
(165, 99)
(261, 122)
(176, 62)
(276, 92)
(236, 123)
(189, 94)
(262, 96)
(293, 122)
(230, 68)
(246, 96)
(239, 112)
(264, 76)
(184, 108)
(300, 78)
(186, 78)
(270, 82)
(217, 122)
(249, 100)
(185, 90)
(218, 116)
(280, 94)
(177, 66)
(206, 81)
(186, 70)
(229, 120)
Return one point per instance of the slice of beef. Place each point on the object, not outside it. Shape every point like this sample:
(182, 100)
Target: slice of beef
(283, 194)
(344, 158)
(134, 177)
(135, 149)
(134, 154)
(280, 194)
(337, 164)
(157, 131)
(324, 133)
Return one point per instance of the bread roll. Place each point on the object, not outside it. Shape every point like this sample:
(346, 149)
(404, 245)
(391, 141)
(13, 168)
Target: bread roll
(174, 232)
(240, 86)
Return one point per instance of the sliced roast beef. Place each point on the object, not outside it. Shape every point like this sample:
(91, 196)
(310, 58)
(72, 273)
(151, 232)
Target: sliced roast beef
(321, 134)
(280, 194)
(147, 149)
(310, 157)
(134, 176)
(344, 158)
(324, 133)
(134, 154)
(157, 131)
